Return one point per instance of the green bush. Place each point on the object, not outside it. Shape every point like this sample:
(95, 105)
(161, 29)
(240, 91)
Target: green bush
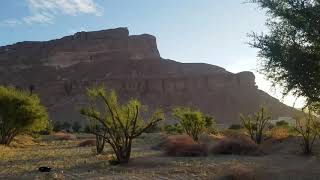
(210, 125)
(119, 123)
(20, 112)
(173, 129)
(192, 122)
(282, 123)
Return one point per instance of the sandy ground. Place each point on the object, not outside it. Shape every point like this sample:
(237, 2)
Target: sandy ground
(72, 162)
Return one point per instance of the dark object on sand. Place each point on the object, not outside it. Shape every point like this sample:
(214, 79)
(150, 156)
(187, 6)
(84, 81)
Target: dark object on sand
(44, 169)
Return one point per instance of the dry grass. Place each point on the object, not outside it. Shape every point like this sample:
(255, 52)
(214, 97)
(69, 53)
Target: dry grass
(183, 145)
(239, 172)
(22, 141)
(62, 136)
(279, 133)
(69, 161)
(87, 143)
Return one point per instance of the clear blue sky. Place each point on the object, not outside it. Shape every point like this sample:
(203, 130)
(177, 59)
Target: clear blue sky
(209, 31)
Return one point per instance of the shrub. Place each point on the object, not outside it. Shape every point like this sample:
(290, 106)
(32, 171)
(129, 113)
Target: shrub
(308, 128)
(256, 125)
(20, 112)
(119, 124)
(210, 125)
(235, 126)
(48, 130)
(282, 123)
(183, 146)
(192, 122)
(279, 133)
(87, 129)
(57, 126)
(76, 126)
(86, 143)
(66, 126)
(240, 145)
(173, 129)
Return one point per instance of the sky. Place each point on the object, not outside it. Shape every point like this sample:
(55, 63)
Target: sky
(208, 31)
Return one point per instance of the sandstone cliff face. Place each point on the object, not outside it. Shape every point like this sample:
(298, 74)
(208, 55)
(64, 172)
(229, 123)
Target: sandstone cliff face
(131, 65)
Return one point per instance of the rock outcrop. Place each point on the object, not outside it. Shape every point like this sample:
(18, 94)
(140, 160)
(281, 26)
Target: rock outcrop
(131, 65)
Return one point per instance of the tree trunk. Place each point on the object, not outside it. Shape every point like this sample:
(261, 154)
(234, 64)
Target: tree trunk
(307, 148)
(124, 155)
(6, 139)
(100, 142)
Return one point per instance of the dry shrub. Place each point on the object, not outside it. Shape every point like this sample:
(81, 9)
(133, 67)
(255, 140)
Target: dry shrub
(240, 145)
(21, 141)
(279, 133)
(183, 146)
(87, 143)
(209, 138)
(64, 136)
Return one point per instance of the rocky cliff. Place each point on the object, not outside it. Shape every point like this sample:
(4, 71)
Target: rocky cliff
(133, 67)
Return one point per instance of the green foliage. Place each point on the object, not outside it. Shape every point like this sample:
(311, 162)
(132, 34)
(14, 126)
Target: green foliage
(282, 123)
(20, 112)
(308, 128)
(290, 52)
(173, 129)
(119, 123)
(256, 125)
(192, 122)
(76, 126)
(210, 125)
(48, 130)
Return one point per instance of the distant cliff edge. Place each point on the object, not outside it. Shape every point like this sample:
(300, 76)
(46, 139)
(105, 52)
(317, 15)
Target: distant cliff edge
(132, 65)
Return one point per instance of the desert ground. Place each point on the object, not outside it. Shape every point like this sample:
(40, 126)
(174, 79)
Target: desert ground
(69, 161)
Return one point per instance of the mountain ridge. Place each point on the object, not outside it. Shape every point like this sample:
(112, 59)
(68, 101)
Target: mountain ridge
(132, 65)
